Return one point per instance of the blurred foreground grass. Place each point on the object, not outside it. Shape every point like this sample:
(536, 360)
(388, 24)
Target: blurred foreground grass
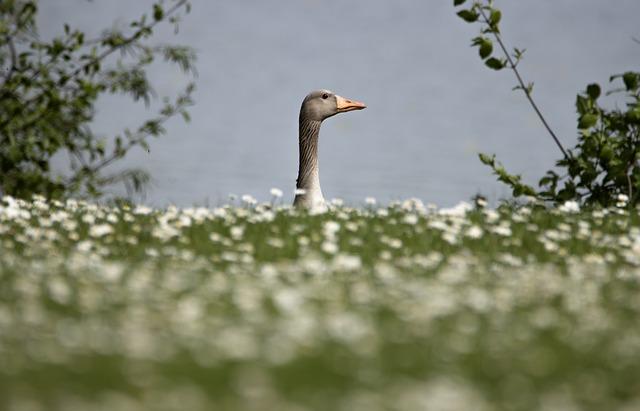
(266, 308)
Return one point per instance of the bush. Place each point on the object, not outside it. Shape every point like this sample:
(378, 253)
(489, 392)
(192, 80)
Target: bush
(604, 164)
(48, 91)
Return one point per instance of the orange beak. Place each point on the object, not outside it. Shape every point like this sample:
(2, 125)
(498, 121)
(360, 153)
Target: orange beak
(345, 105)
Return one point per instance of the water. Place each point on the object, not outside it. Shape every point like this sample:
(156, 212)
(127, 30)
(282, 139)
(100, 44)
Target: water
(432, 106)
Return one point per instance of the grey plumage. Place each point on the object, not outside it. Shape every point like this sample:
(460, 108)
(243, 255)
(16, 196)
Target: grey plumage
(316, 107)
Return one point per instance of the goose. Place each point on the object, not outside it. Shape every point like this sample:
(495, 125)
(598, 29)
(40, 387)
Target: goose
(317, 106)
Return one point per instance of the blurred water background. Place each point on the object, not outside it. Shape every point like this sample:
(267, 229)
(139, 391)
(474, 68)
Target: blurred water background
(432, 106)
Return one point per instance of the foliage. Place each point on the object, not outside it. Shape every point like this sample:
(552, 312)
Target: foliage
(400, 308)
(48, 92)
(604, 164)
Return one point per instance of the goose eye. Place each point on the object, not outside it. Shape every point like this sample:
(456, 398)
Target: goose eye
(325, 96)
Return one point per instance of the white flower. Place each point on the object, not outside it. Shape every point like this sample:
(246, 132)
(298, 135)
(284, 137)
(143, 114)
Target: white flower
(329, 247)
(458, 210)
(84, 246)
(142, 210)
(394, 243)
(492, 215)
(266, 216)
(236, 232)
(72, 204)
(219, 212)
(623, 200)
(449, 237)
(183, 221)
(474, 232)
(288, 299)
(550, 246)
(318, 209)
(276, 192)
(100, 230)
(246, 198)
(345, 262)
(164, 231)
(370, 201)
(503, 230)
(112, 271)
(438, 225)
(330, 228)
(413, 204)
(275, 242)
(89, 218)
(59, 290)
(300, 191)
(570, 207)
(410, 219)
(59, 217)
(69, 225)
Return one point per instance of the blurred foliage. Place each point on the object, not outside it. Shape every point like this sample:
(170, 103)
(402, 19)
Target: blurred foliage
(260, 307)
(48, 92)
(604, 164)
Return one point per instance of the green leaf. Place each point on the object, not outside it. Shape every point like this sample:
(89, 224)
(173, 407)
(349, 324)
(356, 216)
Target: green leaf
(630, 80)
(518, 54)
(530, 88)
(593, 91)
(583, 105)
(158, 12)
(486, 48)
(495, 63)
(606, 153)
(496, 16)
(588, 121)
(486, 159)
(633, 116)
(456, 3)
(468, 15)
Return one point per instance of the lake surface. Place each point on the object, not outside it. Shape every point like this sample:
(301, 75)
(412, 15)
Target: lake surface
(432, 106)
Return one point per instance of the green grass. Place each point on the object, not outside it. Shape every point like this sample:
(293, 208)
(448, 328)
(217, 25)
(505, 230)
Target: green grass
(268, 308)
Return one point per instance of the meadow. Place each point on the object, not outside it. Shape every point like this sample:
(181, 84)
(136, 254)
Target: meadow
(258, 306)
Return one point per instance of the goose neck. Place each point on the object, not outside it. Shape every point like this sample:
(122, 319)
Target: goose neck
(308, 172)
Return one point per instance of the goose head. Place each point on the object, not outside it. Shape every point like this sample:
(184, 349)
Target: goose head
(322, 104)
(316, 107)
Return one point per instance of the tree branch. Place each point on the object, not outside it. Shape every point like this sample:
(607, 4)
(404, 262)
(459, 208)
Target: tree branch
(127, 41)
(14, 59)
(524, 88)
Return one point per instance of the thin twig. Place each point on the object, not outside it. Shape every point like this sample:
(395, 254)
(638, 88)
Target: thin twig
(523, 86)
(127, 41)
(14, 59)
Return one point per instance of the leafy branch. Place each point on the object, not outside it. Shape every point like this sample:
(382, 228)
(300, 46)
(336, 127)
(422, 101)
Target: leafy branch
(604, 167)
(48, 97)
(491, 18)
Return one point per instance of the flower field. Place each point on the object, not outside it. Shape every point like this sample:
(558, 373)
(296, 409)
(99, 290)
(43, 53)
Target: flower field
(264, 307)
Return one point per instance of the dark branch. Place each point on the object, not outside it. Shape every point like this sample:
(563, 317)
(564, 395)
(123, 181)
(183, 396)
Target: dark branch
(14, 59)
(126, 42)
(524, 88)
